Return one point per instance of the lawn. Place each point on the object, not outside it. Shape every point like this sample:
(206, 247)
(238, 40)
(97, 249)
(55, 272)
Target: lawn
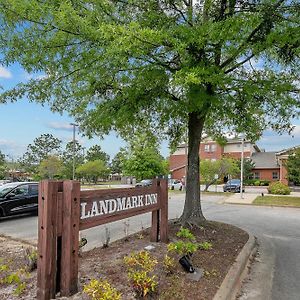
(277, 201)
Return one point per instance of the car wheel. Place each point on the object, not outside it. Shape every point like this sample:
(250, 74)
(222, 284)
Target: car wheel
(180, 189)
(172, 188)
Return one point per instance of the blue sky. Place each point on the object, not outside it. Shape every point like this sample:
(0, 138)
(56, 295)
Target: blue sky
(21, 122)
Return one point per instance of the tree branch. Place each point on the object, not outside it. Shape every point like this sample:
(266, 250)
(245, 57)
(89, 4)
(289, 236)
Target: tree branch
(239, 64)
(249, 38)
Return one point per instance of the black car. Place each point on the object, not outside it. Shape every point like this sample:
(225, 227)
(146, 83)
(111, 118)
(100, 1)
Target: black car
(233, 185)
(18, 197)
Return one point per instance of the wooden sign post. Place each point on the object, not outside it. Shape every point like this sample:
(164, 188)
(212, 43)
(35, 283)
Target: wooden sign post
(64, 210)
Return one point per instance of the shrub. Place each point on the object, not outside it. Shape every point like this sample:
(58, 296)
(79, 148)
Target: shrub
(140, 265)
(15, 279)
(205, 246)
(278, 188)
(101, 290)
(169, 264)
(257, 183)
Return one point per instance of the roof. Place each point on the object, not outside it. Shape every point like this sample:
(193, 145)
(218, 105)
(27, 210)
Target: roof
(265, 160)
(177, 168)
(287, 151)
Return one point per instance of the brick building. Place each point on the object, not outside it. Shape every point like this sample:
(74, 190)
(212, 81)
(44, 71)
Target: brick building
(268, 165)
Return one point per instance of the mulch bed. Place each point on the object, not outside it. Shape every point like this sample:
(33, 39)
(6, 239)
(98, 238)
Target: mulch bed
(108, 263)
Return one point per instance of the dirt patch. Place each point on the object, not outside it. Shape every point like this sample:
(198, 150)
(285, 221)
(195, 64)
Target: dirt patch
(227, 241)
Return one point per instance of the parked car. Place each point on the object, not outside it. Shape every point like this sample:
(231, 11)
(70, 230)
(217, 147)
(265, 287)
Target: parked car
(143, 183)
(175, 184)
(233, 185)
(18, 197)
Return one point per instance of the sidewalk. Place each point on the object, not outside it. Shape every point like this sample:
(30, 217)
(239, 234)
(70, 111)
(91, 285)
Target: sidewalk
(248, 198)
(235, 198)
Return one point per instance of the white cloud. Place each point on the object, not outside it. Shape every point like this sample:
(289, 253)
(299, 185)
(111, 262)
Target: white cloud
(272, 141)
(60, 126)
(5, 73)
(12, 148)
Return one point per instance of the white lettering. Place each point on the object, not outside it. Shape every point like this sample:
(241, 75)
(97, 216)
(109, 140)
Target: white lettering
(103, 207)
(128, 204)
(140, 200)
(83, 212)
(134, 201)
(112, 205)
(94, 210)
(154, 198)
(147, 202)
(121, 203)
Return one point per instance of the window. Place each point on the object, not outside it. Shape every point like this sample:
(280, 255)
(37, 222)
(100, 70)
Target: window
(256, 175)
(33, 188)
(275, 175)
(206, 148)
(213, 147)
(21, 190)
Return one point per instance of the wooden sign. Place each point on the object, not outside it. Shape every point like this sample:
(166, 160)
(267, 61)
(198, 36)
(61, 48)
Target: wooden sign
(64, 210)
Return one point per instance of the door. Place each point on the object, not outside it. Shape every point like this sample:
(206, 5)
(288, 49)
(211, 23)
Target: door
(18, 200)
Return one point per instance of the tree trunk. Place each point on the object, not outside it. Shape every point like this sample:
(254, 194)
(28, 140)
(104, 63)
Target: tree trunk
(192, 213)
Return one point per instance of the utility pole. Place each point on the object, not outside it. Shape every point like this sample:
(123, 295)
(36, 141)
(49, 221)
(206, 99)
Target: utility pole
(242, 165)
(74, 127)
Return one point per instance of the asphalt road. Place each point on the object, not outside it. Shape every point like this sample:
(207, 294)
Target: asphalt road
(275, 274)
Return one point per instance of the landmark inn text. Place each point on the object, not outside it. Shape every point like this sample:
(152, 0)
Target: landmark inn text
(103, 207)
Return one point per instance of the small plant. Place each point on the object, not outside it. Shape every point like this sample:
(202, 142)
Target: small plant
(169, 264)
(185, 233)
(140, 265)
(101, 290)
(205, 246)
(31, 256)
(184, 247)
(7, 276)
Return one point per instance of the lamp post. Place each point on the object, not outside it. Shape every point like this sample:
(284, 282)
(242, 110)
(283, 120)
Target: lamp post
(74, 127)
(242, 165)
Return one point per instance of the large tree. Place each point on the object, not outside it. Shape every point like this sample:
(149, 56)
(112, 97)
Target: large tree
(169, 65)
(42, 147)
(96, 153)
(93, 170)
(51, 167)
(73, 153)
(143, 159)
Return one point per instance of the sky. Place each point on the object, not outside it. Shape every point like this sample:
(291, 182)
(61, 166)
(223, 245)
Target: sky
(21, 122)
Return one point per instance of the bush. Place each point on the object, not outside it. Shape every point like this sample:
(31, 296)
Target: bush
(257, 183)
(101, 290)
(278, 188)
(140, 266)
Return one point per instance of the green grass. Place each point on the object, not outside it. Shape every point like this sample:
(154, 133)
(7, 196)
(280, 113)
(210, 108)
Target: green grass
(277, 201)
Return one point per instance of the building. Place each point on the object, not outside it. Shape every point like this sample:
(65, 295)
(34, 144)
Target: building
(268, 165)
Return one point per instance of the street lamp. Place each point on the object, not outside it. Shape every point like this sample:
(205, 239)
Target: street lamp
(74, 126)
(242, 165)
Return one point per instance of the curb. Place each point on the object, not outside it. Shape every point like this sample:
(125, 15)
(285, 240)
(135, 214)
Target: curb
(233, 280)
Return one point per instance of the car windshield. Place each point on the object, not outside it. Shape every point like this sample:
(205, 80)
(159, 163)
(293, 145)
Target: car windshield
(4, 189)
(234, 181)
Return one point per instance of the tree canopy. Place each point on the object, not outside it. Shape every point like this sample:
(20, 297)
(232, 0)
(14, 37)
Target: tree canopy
(96, 153)
(159, 64)
(293, 167)
(42, 147)
(92, 170)
(143, 159)
(220, 168)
